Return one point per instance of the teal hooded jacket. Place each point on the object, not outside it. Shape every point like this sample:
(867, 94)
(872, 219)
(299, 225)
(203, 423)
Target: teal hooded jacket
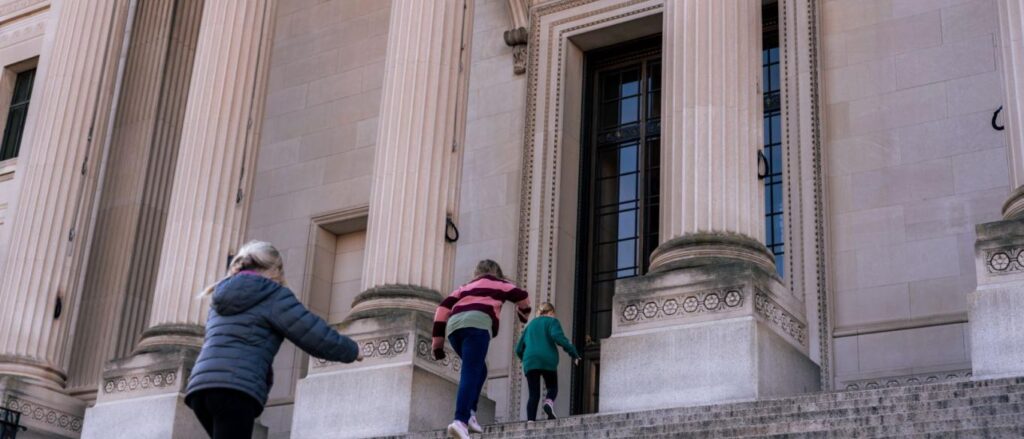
(538, 346)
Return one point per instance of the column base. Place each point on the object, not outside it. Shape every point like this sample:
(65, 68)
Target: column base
(997, 306)
(704, 335)
(45, 412)
(397, 388)
(143, 397)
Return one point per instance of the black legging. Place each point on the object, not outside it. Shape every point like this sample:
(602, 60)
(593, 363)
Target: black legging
(533, 384)
(225, 413)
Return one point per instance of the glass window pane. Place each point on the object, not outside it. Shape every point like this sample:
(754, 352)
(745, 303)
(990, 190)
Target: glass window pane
(654, 105)
(626, 257)
(627, 224)
(607, 191)
(607, 162)
(654, 70)
(605, 258)
(776, 157)
(628, 158)
(629, 110)
(777, 198)
(630, 83)
(627, 188)
(780, 264)
(778, 228)
(776, 122)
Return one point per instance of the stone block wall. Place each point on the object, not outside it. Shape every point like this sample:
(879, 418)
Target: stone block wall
(912, 164)
(317, 145)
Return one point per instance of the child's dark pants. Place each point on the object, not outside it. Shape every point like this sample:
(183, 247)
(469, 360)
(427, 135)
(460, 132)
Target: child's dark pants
(533, 384)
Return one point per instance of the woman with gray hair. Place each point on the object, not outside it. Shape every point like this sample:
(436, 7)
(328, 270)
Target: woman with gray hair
(251, 313)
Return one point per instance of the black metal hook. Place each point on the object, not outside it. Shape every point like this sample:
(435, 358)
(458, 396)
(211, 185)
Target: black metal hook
(58, 308)
(996, 126)
(762, 165)
(449, 229)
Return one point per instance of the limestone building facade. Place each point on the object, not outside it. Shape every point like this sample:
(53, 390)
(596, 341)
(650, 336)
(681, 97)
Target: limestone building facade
(724, 200)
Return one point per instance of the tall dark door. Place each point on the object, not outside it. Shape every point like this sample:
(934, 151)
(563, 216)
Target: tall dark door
(618, 221)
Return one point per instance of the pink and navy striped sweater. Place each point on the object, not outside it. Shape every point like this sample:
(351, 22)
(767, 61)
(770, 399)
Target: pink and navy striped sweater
(485, 294)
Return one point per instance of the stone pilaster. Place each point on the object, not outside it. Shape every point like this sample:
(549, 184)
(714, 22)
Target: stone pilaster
(997, 305)
(206, 219)
(712, 301)
(124, 257)
(51, 224)
(1011, 42)
(408, 262)
(210, 198)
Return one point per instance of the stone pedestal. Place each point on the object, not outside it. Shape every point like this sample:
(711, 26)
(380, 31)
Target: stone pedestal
(143, 397)
(46, 413)
(397, 388)
(702, 335)
(997, 306)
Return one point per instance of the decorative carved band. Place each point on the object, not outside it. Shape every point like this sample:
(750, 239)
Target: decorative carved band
(139, 382)
(774, 314)
(43, 414)
(451, 362)
(681, 306)
(1004, 260)
(909, 380)
(375, 348)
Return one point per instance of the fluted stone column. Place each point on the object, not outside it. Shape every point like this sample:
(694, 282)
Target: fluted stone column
(712, 202)
(417, 158)
(211, 195)
(1011, 42)
(408, 263)
(52, 220)
(997, 306)
(125, 254)
(712, 301)
(206, 222)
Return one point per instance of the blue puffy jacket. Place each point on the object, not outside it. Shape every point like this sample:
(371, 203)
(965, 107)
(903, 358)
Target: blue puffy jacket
(249, 317)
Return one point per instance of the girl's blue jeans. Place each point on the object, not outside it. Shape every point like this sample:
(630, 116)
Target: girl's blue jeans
(471, 345)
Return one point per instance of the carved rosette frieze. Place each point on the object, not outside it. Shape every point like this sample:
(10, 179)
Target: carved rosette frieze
(451, 363)
(1004, 260)
(35, 412)
(378, 348)
(141, 382)
(910, 380)
(681, 306)
(774, 314)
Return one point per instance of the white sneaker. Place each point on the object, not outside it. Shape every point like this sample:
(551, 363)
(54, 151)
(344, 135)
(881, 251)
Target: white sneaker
(474, 425)
(458, 430)
(549, 408)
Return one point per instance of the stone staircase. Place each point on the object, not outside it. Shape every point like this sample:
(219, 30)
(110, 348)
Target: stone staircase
(966, 409)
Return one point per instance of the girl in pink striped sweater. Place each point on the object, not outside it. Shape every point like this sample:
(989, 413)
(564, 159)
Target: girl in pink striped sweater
(468, 318)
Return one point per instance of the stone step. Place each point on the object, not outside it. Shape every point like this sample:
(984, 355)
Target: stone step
(935, 392)
(975, 408)
(873, 426)
(861, 407)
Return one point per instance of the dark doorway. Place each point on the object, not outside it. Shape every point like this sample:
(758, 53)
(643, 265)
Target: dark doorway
(619, 178)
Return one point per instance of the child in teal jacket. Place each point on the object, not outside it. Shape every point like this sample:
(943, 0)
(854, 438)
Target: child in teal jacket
(538, 351)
